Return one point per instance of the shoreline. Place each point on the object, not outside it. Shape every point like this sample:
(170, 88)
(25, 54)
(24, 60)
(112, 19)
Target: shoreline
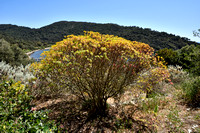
(29, 53)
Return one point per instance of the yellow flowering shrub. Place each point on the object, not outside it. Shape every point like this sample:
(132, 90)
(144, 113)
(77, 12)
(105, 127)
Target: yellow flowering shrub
(148, 80)
(94, 67)
(18, 86)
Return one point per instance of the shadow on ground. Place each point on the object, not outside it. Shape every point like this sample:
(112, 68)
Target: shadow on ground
(67, 112)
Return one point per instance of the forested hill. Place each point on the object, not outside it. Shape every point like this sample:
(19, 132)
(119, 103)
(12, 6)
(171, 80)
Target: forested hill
(28, 38)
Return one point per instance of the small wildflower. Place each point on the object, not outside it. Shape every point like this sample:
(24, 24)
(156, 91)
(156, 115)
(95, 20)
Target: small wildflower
(61, 126)
(33, 109)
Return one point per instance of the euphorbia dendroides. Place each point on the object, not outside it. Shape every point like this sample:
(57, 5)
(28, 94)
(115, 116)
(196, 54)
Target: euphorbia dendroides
(94, 67)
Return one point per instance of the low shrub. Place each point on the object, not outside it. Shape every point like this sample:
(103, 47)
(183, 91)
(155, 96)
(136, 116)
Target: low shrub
(177, 74)
(16, 113)
(149, 81)
(174, 122)
(191, 89)
(153, 103)
(17, 73)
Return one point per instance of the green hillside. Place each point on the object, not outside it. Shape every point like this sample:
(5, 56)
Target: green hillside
(28, 38)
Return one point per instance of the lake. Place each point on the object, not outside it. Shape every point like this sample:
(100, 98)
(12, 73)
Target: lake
(37, 54)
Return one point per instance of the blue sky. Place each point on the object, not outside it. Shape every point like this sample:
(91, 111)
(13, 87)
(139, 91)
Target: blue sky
(179, 17)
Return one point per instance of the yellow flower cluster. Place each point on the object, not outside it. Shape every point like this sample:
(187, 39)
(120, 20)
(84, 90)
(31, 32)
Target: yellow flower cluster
(18, 86)
(93, 60)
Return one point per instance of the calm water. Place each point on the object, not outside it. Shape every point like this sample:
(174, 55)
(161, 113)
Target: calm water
(36, 55)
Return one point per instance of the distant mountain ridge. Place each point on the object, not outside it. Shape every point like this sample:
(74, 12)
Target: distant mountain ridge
(30, 38)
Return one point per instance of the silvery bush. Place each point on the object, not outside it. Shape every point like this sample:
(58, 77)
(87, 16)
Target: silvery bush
(17, 73)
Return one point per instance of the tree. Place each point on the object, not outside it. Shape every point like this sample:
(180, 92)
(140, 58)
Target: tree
(189, 58)
(19, 56)
(197, 33)
(94, 67)
(6, 53)
(13, 54)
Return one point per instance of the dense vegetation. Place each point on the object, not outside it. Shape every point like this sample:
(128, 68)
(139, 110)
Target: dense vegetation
(16, 112)
(82, 74)
(28, 38)
(188, 57)
(12, 54)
